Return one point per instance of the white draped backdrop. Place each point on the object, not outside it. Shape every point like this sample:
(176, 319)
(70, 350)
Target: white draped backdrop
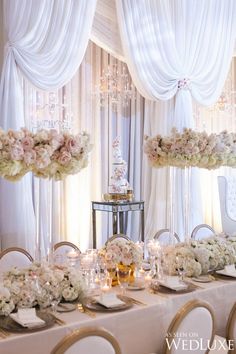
(46, 42)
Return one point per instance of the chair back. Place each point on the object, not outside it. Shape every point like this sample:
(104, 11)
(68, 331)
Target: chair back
(62, 248)
(202, 231)
(92, 340)
(117, 236)
(194, 317)
(163, 236)
(14, 257)
(231, 327)
(227, 195)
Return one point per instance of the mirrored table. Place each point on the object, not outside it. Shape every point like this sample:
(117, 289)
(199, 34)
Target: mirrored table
(118, 209)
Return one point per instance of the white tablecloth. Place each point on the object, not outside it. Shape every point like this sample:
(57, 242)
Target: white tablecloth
(139, 330)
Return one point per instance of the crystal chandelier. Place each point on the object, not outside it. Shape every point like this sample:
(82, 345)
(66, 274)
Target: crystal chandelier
(115, 87)
(50, 111)
(226, 103)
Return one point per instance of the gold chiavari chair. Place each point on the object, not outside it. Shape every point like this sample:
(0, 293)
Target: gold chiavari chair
(202, 231)
(231, 330)
(88, 340)
(66, 246)
(194, 317)
(14, 257)
(163, 236)
(117, 236)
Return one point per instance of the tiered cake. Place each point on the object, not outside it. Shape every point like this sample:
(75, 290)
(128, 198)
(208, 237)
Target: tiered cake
(118, 182)
(119, 188)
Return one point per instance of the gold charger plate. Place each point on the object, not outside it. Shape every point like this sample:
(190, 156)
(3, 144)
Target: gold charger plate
(92, 304)
(7, 323)
(165, 290)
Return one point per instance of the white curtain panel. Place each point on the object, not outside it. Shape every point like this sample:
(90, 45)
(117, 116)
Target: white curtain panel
(105, 30)
(167, 42)
(46, 41)
(156, 182)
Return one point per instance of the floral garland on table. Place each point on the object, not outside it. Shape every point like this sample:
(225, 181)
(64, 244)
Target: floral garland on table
(192, 148)
(121, 251)
(198, 257)
(39, 285)
(47, 153)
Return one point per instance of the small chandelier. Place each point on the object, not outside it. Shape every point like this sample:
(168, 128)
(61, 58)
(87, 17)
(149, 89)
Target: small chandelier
(50, 111)
(115, 87)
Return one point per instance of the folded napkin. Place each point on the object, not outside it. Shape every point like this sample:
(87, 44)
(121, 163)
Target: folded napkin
(109, 300)
(27, 318)
(230, 269)
(173, 283)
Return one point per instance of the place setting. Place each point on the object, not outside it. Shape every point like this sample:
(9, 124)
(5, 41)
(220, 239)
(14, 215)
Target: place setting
(27, 320)
(227, 273)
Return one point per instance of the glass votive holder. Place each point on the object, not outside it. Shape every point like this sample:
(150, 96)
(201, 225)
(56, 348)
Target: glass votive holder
(73, 258)
(139, 279)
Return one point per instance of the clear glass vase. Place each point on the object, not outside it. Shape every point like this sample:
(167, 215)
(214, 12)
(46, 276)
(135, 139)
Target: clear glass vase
(187, 201)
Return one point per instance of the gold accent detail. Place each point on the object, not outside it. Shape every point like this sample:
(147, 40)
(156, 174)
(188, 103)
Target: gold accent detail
(181, 314)
(16, 249)
(115, 197)
(4, 334)
(58, 320)
(82, 309)
(81, 333)
(230, 324)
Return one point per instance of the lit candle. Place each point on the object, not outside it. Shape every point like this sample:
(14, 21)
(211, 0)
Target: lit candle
(141, 271)
(97, 281)
(105, 288)
(148, 278)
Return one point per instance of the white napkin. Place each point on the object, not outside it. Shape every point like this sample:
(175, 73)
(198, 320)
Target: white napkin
(109, 300)
(173, 283)
(230, 269)
(27, 318)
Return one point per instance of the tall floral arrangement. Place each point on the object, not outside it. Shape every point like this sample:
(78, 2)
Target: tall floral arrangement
(192, 148)
(46, 153)
(198, 257)
(39, 285)
(121, 251)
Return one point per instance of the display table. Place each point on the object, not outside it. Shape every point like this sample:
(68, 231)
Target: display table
(139, 330)
(117, 209)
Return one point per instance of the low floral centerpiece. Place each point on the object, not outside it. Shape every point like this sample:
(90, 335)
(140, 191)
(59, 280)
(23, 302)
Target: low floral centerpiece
(192, 149)
(200, 257)
(121, 253)
(46, 153)
(39, 285)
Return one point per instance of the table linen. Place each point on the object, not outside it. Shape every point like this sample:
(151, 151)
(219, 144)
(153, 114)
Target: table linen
(140, 329)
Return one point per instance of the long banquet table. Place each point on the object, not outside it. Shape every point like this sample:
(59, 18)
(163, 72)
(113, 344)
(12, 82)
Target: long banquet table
(140, 329)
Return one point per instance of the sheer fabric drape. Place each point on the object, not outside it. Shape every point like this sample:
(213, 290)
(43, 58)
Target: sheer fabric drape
(46, 42)
(72, 199)
(167, 47)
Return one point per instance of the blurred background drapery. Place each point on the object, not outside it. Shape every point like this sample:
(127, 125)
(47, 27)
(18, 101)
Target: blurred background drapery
(72, 214)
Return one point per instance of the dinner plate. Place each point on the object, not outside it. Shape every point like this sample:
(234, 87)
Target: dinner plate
(65, 307)
(93, 305)
(165, 290)
(135, 287)
(202, 279)
(226, 274)
(7, 323)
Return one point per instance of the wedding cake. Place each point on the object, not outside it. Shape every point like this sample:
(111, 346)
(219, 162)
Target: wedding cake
(118, 182)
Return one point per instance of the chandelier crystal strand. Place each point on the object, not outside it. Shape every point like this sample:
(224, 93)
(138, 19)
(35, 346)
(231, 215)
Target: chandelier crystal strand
(115, 85)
